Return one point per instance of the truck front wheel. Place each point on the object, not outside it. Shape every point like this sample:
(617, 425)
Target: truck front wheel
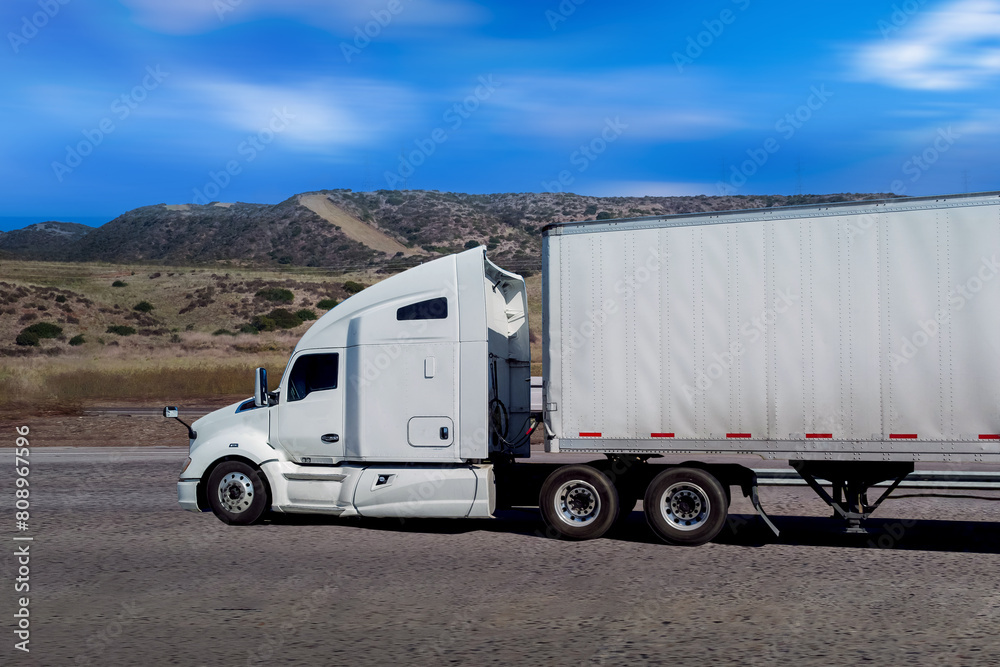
(236, 493)
(685, 506)
(579, 502)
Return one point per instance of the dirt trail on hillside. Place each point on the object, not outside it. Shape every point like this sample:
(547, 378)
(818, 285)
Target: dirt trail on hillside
(352, 227)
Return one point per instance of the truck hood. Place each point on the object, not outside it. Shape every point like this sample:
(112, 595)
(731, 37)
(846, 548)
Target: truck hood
(218, 421)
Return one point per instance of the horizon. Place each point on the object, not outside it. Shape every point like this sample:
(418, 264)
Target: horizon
(12, 223)
(133, 103)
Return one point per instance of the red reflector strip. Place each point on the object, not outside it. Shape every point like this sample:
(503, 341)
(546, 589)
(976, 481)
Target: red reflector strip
(737, 435)
(989, 436)
(819, 435)
(902, 436)
(661, 435)
(590, 435)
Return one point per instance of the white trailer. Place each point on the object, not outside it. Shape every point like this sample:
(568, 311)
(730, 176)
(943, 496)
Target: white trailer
(851, 339)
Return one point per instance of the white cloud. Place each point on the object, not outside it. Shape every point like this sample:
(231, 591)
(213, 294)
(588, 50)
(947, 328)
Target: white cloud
(955, 48)
(326, 113)
(650, 189)
(983, 123)
(654, 104)
(197, 16)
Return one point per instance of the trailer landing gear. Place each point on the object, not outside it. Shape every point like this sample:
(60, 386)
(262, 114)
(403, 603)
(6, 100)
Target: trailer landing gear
(851, 482)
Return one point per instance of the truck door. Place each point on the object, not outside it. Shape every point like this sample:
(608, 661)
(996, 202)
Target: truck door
(308, 421)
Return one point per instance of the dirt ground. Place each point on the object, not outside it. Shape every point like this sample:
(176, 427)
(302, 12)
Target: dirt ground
(91, 426)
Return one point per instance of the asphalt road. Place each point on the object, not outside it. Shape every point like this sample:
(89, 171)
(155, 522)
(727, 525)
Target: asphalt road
(119, 575)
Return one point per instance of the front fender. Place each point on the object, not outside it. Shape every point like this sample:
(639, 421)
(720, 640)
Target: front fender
(236, 435)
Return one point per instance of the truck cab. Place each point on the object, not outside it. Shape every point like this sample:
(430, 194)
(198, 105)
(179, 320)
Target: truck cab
(393, 403)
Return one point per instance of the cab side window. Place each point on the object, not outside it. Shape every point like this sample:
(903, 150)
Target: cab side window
(431, 309)
(312, 372)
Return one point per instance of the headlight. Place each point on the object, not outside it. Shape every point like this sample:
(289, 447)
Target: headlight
(187, 462)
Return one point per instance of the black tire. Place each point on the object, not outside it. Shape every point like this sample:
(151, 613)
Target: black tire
(236, 493)
(579, 502)
(685, 506)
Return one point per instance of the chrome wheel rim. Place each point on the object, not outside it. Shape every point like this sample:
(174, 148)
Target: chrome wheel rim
(577, 503)
(236, 492)
(685, 506)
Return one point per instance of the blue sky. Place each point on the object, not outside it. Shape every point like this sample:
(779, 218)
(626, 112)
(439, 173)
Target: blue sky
(111, 105)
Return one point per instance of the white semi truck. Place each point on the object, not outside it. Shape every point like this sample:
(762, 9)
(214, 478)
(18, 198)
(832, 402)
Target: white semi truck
(850, 339)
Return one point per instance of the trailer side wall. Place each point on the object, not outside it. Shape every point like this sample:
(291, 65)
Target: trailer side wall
(866, 330)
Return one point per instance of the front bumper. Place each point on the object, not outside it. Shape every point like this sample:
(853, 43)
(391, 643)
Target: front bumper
(187, 494)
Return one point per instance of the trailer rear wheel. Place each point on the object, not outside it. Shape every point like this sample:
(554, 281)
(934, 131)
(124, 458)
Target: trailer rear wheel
(685, 506)
(579, 502)
(236, 493)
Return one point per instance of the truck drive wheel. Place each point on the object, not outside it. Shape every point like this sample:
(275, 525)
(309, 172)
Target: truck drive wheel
(579, 502)
(685, 506)
(236, 493)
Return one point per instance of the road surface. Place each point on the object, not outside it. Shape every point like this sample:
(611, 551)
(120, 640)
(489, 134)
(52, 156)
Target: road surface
(119, 575)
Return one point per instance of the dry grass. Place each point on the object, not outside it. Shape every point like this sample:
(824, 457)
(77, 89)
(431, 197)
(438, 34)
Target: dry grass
(187, 363)
(36, 385)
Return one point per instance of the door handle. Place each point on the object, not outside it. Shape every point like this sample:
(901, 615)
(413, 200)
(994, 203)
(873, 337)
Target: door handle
(330, 437)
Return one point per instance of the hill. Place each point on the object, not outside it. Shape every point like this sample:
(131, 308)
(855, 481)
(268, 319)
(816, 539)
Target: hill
(345, 230)
(44, 240)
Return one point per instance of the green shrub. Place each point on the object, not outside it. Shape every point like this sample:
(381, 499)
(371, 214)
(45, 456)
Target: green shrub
(305, 314)
(77, 340)
(119, 283)
(223, 332)
(284, 319)
(143, 307)
(590, 210)
(327, 304)
(249, 329)
(27, 338)
(471, 244)
(60, 299)
(604, 215)
(352, 287)
(263, 323)
(276, 294)
(120, 329)
(44, 330)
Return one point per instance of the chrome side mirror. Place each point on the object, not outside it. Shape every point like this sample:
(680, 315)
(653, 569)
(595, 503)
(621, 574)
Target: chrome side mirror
(170, 412)
(260, 397)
